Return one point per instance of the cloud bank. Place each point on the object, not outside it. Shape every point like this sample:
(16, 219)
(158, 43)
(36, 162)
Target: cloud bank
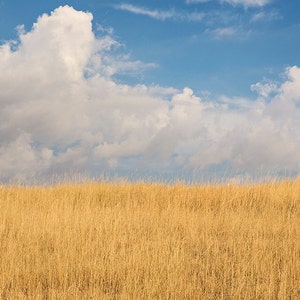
(62, 110)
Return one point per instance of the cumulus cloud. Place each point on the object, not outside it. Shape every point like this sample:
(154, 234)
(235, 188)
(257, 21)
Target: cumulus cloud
(62, 110)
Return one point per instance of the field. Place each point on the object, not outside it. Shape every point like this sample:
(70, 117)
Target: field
(150, 241)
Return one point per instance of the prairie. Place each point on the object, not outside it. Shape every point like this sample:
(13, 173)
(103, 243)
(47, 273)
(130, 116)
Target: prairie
(150, 241)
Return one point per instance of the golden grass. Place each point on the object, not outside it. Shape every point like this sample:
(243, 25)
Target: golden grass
(150, 241)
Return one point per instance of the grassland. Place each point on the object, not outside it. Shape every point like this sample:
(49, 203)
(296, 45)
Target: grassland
(150, 241)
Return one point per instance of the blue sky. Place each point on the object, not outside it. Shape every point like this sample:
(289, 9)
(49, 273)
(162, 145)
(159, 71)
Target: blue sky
(232, 63)
(218, 46)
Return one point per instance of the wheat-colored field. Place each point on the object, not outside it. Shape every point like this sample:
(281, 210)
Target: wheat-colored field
(150, 241)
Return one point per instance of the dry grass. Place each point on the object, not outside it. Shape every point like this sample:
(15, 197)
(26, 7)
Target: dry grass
(150, 241)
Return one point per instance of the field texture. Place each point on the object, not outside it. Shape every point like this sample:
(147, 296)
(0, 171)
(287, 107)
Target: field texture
(150, 241)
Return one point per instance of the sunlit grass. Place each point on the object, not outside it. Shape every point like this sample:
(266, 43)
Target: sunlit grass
(150, 241)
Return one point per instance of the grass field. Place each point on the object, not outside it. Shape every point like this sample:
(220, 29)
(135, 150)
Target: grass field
(150, 241)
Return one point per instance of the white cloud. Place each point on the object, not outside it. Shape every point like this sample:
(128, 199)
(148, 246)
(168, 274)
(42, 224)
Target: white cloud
(108, 30)
(265, 88)
(248, 3)
(245, 3)
(61, 110)
(263, 16)
(161, 15)
(220, 33)
(155, 14)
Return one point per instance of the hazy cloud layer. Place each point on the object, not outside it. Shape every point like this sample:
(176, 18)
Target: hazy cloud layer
(221, 22)
(62, 110)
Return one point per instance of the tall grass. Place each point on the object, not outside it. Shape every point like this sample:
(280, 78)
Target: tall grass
(150, 241)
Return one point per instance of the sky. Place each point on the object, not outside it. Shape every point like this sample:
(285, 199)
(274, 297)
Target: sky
(176, 89)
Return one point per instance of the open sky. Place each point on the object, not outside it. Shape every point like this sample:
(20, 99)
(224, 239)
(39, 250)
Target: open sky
(168, 89)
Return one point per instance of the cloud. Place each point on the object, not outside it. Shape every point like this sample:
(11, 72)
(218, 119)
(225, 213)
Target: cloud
(63, 111)
(265, 88)
(161, 15)
(245, 3)
(265, 16)
(155, 14)
(220, 33)
(221, 23)
(248, 3)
